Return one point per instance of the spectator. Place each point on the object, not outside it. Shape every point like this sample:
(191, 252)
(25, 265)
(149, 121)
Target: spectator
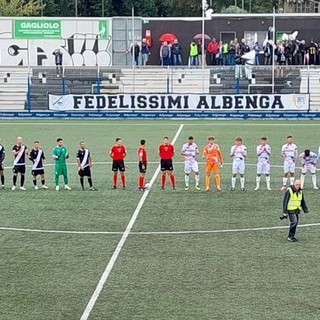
(145, 52)
(213, 49)
(281, 59)
(268, 53)
(193, 54)
(288, 51)
(313, 52)
(176, 53)
(200, 55)
(58, 58)
(231, 53)
(256, 49)
(244, 48)
(300, 60)
(219, 55)
(165, 54)
(225, 53)
(135, 51)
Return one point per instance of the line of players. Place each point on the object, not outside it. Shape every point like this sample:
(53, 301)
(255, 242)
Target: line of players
(211, 153)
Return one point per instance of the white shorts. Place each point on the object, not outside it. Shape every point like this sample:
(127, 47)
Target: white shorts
(263, 167)
(308, 167)
(238, 166)
(289, 166)
(190, 166)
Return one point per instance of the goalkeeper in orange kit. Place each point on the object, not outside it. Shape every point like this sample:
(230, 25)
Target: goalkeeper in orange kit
(214, 159)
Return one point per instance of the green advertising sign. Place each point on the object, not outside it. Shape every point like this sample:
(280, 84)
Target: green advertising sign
(37, 29)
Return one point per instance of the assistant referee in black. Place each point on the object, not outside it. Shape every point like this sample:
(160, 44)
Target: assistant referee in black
(293, 202)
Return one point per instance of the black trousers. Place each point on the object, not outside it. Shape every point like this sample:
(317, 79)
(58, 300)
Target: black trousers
(294, 220)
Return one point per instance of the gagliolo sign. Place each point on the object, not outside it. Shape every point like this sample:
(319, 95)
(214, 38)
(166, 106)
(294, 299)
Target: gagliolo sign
(37, 29)
(175, 102)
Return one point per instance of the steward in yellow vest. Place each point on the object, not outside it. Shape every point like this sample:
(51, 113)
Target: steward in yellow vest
(293, 203)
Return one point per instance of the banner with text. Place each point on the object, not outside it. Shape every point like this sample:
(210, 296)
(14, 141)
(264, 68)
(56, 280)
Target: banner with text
(176, 102)
(37, 29)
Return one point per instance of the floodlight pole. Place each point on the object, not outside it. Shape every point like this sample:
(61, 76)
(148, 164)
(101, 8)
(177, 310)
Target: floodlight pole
(76, 7)
(204, 5)
(133, 53)
(273, 50)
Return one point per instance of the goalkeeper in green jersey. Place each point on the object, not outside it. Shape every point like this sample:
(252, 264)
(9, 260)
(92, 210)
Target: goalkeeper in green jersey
(60, 154)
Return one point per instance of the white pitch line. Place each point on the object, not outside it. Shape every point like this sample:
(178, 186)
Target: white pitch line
(209, 123)
(137, 233)
(219, 231)
(60, 231)
(122, 241)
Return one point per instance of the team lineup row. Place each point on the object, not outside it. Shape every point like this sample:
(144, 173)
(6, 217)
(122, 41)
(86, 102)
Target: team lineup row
(211, 153)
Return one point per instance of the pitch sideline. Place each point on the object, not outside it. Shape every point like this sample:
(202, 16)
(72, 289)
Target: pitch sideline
(137, 233)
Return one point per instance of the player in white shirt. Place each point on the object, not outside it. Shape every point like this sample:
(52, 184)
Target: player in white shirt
(289, 153)
(263, 165)
(238, 153)
(308, 161)
(190, 151)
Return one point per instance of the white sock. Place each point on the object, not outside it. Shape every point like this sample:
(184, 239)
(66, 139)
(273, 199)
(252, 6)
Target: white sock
(258, 181)
(197, 179)
(233, 182)
(186, 179)
(314, 180)
(284, 181)
(291, 181)
(302, 178)
(268, 181)
(242, 182)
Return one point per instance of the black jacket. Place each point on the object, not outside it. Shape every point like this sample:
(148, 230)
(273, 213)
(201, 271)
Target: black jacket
(287, 198)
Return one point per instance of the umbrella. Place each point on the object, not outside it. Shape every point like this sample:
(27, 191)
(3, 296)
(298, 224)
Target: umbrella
(201, 36)
(168, 37)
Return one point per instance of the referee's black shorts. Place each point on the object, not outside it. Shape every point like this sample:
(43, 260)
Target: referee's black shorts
(166, 165)
(118, 165)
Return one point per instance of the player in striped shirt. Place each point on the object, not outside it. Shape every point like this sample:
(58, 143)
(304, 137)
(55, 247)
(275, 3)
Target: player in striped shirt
(2, 156)
(289, 153)
(84, 162)
(213, 155)
(142, 157)
(238, 153)
(263, 165)
(19, 152)
(308, 161)
(190, 151)
(38, 158)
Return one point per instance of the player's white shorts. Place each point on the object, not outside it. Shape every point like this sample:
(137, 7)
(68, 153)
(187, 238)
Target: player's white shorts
(190, 166)
(308, 167)
(238, 166)
(263, 167)
(289, 166)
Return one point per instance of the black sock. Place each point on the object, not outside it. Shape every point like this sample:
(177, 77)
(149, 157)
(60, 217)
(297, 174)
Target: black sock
(81, 182)
(14, 180)
(35, 182)
(43, 182)
(90, 182)
(2, 179)
(22, 180)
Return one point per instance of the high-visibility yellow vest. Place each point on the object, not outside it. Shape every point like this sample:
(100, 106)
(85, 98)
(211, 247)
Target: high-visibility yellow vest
(295, 200)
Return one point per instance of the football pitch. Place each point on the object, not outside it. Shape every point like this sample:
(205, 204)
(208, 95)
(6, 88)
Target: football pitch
(159, 254)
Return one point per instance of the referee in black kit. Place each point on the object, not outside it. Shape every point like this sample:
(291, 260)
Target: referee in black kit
(293, 202)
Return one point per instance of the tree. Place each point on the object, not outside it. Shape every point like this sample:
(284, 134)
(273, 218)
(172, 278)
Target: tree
(233, 9)
(12, 8)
